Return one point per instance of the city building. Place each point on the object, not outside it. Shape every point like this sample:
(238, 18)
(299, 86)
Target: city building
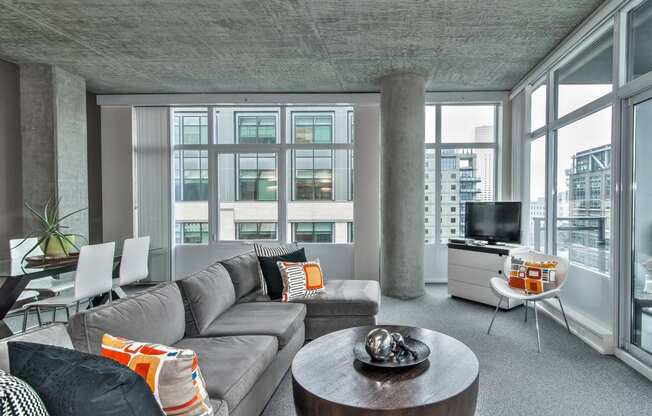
(587, 226)
(321, 189)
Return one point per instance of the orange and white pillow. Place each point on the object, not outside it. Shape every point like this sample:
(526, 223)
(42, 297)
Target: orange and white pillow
(532, 276)
(172, 374)
(301, 280)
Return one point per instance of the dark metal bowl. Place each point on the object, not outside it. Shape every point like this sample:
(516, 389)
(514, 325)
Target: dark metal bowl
(422, 350)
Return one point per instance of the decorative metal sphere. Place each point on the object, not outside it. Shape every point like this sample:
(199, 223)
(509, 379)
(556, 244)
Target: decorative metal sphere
(379, 344)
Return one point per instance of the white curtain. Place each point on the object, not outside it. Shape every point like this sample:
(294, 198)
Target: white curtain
(152, 211)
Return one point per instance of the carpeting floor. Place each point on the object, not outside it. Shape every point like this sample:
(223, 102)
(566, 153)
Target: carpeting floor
(568, 378)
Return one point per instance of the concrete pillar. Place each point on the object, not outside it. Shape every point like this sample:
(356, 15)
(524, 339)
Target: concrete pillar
(53, 130)
(402, 185)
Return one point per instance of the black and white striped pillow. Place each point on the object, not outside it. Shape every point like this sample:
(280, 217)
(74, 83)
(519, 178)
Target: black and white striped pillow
(17, 398)
(271, 251)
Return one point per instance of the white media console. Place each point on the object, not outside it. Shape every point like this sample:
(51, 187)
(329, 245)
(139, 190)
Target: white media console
(471, 267)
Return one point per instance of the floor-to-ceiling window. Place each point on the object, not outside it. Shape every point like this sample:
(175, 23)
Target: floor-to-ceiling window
(590, 144)
(190, 170)
(263, 173)
(460, 162)
(637, 146)
(570, 120)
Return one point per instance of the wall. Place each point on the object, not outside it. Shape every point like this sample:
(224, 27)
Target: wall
(94, 147)
(10, 163)
(70, 152)
(117, 178)
(53, 138)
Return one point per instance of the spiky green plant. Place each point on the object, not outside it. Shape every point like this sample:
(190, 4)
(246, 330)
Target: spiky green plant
(50, 227)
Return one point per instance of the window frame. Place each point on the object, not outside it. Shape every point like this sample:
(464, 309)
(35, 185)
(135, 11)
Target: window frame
(438, 145)
(282, 149)
(551, 129)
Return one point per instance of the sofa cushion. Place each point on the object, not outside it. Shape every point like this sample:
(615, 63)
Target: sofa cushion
(155, 315)
(206, 294)
(244, 272)
(344, 298)
(278, 319)
(53, 334)
(232, 365)
(220, 408)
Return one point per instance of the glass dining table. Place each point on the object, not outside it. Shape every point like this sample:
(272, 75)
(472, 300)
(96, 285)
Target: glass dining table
(15, 275)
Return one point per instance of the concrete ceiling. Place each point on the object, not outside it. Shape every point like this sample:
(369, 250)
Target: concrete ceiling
(156, 46)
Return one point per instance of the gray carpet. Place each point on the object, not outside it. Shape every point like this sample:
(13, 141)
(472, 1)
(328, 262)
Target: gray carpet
(567, 378)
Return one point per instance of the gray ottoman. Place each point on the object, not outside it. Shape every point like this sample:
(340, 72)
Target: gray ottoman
(344, 304)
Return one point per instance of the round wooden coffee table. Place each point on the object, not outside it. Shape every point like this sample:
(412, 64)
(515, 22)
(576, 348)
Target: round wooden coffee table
(327, 380)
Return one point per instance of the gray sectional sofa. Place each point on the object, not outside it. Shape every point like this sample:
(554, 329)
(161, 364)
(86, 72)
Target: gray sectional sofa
(245, 342)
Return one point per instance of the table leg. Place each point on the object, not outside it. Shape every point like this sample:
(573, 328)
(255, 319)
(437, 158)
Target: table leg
(9, 291)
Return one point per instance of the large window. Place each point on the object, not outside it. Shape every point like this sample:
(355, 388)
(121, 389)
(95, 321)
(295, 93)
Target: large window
(191, 174)
(640, 35)
(321, 169)
(587, 76)
(537, 231)
(229, 178)
(465, 143)
(583, 199)
(576, 166)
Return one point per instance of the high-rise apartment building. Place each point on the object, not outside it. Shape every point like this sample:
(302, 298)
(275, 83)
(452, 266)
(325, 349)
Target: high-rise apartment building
(459, 183)
(588, 208)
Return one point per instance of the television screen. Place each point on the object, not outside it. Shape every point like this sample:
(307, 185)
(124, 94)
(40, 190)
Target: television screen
(493, 221)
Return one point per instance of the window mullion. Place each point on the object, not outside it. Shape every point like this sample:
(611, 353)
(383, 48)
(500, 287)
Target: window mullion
(438, 175)
(213, 190)
(282, 181)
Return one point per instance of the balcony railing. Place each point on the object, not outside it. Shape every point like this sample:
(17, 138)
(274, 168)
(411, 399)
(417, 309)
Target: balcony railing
(583, 240)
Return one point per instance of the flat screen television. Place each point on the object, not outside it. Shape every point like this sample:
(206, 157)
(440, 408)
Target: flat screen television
(495, 222)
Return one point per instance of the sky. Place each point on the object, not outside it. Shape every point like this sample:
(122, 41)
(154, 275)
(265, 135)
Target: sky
(587, 133)
(459, 122)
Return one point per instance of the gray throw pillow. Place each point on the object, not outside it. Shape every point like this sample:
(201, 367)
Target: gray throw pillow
(243, 270)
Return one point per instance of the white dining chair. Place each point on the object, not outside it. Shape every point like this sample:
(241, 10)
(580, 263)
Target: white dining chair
(133, 263)
(92, 278)
(501, 288)
(48, 285)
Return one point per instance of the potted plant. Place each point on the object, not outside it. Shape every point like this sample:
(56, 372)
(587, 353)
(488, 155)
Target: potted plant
(52, 238)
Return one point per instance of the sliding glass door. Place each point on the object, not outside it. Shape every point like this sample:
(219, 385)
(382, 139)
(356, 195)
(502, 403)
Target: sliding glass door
(639, 287)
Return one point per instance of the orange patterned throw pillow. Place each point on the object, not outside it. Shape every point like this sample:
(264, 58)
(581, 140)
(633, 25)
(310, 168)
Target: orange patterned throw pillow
(172, 374)
(532, 276)
(301, 280)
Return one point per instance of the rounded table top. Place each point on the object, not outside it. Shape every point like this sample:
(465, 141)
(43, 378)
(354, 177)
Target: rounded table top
(326, 368)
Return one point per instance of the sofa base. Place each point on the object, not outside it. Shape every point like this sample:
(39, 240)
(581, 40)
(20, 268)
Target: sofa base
(255, 401)
(317, 326)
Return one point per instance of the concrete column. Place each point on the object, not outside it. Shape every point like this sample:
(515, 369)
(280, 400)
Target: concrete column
(402, 185)
(53, 130)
